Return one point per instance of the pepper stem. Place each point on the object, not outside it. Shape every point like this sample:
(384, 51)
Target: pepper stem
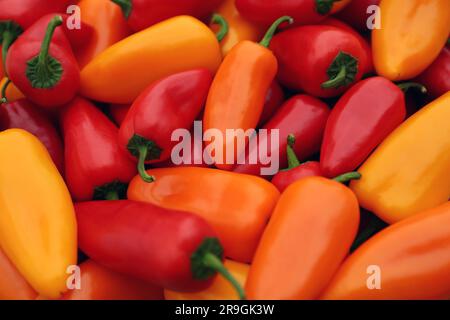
(336, 81)
(8, 39)
(4, 99)
(265, 42)
(346, 177)
(53, 24)
(412, 85)
(143, 150)
(224, 27)
(293, 161)
(213, 262)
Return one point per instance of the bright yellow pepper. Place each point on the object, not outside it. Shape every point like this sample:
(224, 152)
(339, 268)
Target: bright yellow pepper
(410, 170)
(37, 220)
(412, 35)
(12, 93)
(239, 29)
(121, 72)
(220, 289)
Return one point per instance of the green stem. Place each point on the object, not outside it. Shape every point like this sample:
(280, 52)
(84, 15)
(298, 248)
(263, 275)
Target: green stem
(143, 150)
(224, 27)
(213, 262)
(346, 177)
(4, 99)
(265, 42)
(293, 161)
(54, 23)
(125, 5)
(112, 195)
(8, 39)
(412, 85)
(336, 81)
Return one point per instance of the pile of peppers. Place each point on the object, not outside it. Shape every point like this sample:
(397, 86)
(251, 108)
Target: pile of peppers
(89, 189)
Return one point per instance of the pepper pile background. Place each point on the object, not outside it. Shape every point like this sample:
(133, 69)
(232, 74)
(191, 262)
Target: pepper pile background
(86, 176)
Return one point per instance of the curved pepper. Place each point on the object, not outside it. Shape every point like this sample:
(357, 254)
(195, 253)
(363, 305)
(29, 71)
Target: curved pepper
(413, 257)
(436, 78)
(237, 206)
(12, 285)
(121, 72)
(165, 106)
(324, 70)
(100, 283)
(22, 114)
(171, 249)
(303, 116)
(41, 254)
(141, 14)
(355, 14)
(407, 173)
(412, 35)
(236, 98)
(9, 91)
(220, 288)
(109, 27)
(96, 167)
(42, 65)
(365, 115)
(309, 235)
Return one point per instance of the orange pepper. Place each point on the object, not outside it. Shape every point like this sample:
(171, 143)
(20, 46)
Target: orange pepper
(109, 27)
(12, 285)
(237, 95)
(412, 258)
(412, 35)
(12, 93)
(338, 6)
(237, 206)
(239, 29)
(309, 235)
(99, 283)
(220, 289)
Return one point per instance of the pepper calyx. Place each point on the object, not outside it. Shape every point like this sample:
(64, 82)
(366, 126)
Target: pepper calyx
(342, 71)
(125, 5)
(324, 7)
(115, 190)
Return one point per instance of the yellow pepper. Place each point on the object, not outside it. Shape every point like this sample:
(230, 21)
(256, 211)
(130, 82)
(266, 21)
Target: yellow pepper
(121, 72)
(37, 220)
(11, 93)
(220, 289)
(410, 170)
(412, 35)
(239, 29)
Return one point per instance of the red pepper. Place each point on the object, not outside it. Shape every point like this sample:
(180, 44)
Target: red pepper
(355, 14)
(303, 12)
(22, 114)
(175, 250)
(96, 167)
(436, 78)
(141, 14)
(304, 117)
(42, 65)
(169, 104)
(320, 60)
(359, 122)
(274, 99)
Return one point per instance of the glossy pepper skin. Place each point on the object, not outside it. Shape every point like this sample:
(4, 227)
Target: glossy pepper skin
(22, 114)
(364, 116)
(413, 34)
(237, 206)
(309, 235)
(406, 174)
(141, 14)
(236, 97)
(303, 116)
(355, 14)
(100, 283)
(220, 288)
(303, 12)
(165, 106)
(171, 249)
(413, 256)
(175, 45)
(324, 70)
(27, 172)
(44, 46)
(12, 284)
(436, 78)
(109, 26)
(95, 164)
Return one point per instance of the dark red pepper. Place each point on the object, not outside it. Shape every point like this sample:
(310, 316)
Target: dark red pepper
(42, 65)
(96, 167)
(437, 77)
(141, 14)
(274, 99)
(320, 60)
(175, 250)
(118, 112)
(363, 117)
(303, 116)
(165, 106)
(355, 14)
(22, 114)
(303, 12)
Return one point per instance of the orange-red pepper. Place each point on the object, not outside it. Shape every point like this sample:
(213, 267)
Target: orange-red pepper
(11, 92)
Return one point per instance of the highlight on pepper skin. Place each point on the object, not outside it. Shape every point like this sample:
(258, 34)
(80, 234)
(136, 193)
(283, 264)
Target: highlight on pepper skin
(224, 150)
